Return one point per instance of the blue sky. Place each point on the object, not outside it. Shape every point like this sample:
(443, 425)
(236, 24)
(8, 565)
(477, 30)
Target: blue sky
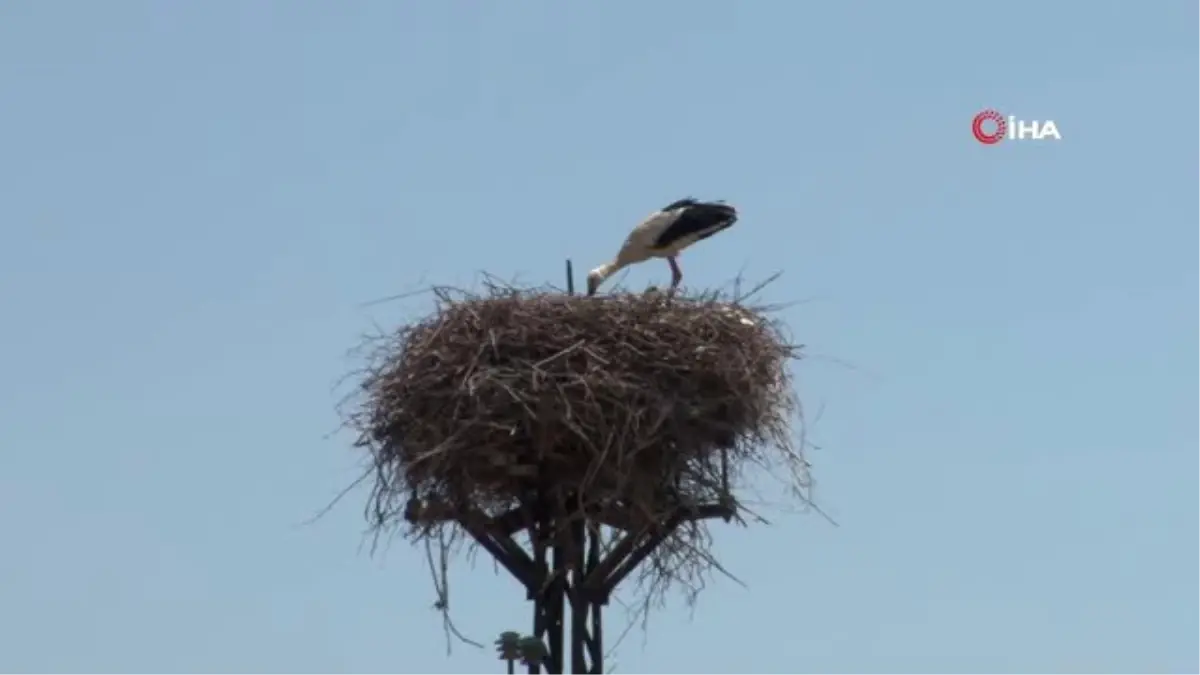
(196, 199)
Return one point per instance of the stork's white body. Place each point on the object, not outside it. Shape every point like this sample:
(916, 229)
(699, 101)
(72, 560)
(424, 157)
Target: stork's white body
(664, 234)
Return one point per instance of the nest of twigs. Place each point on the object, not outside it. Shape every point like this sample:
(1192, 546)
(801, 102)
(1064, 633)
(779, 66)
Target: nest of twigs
(622, 406)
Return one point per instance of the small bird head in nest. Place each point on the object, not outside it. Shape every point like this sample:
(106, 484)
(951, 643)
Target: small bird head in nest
(653, 293)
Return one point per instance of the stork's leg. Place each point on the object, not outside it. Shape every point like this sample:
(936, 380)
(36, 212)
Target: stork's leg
(676, 274)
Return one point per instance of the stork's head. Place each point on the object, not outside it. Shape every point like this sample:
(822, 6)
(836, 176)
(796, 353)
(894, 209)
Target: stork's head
(598, 275)
(595, 278)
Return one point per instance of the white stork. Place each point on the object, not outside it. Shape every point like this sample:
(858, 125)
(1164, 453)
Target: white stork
(664, 234)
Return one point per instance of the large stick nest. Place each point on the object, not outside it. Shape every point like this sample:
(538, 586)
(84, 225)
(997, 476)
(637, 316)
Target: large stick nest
(628, 405)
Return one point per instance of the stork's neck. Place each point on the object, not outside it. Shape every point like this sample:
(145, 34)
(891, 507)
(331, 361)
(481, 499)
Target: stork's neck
(607, 269)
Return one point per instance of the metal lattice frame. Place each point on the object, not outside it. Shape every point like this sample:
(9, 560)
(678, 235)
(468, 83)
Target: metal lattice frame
(570, 572)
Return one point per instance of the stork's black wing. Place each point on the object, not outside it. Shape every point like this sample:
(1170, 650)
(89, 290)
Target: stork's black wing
(680, 203)
(697, 221)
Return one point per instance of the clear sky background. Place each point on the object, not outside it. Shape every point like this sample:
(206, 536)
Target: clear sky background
(196, 199)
